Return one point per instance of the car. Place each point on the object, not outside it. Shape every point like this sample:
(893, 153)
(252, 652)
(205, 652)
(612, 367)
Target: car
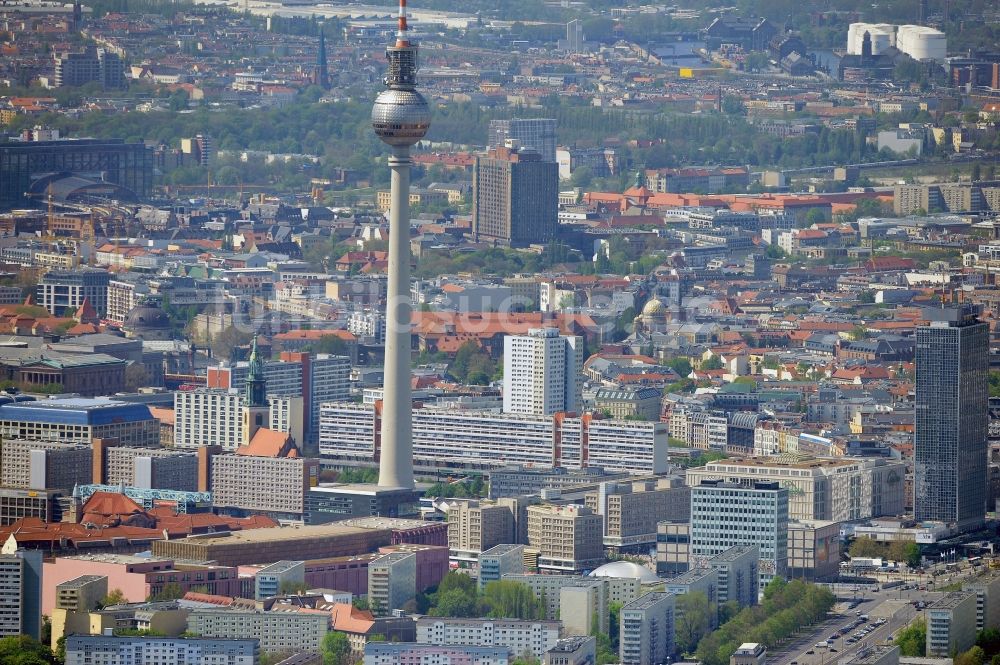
(832, 650)
(810, 652)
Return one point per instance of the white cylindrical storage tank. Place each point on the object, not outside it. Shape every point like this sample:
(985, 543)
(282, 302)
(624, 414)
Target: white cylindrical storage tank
(922, 43)
(881, 39)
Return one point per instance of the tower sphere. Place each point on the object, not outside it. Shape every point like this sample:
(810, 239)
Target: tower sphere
(400, 117)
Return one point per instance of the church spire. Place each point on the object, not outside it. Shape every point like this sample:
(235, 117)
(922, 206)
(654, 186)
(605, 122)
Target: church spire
(256, 387)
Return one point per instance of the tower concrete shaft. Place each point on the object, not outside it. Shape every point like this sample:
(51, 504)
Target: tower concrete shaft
(400, 117)
(396, 462)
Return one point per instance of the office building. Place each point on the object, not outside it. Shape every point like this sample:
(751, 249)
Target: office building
(647, 630)
(404, 653)
(62, 292)
(208, 417)
(128, 165)
(445, 438)
(20, 591)
(724, 515)
(40, 465)
(476, 526)
(673, 547)
(750, 653)
(392, 582)
(515, 197)
(631, 511)
(832, 490)
(117, 650)
(329, 503)
(500, 560)
(568, 538)
(577, 650)
(813, 550)
(951, 421)
(17, 503)
(951, 624)
(79, 420)
(536, 133)
(737, 574)
(520, 636)
(274, 485)
(278, 632)
(987, 590)
(286, 416)
(542, 372)
(150, 468)
(278, 578)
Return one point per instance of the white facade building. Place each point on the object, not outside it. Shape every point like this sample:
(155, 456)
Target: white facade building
(445, 438)
(116, 650)
(520, 636)
(208, 417)
(542, 372)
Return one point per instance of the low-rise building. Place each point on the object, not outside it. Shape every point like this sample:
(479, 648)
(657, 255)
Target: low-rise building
(278, 632)
(520, 636)
(389, 653)
(577, 650)
(118, 650)
(749, 653)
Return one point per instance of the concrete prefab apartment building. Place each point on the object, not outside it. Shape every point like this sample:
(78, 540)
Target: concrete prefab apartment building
(647, 630)
(520, 636)
(388, 653)
(542, 372)
(445, 438)
(278, 632)
(951, 624)
(116, 650)
(569, 538)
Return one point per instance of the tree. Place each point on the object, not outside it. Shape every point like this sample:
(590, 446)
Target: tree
(291, 587)
(136, 377)
(502, 599)
(989, 640)
(336, 648)
(715, 362)
(905, 552)
(866, 547)
(227, 340)
(114, 597)
(455, 603)
(912, 640)
(170, 591)
(733, 106)
(694, 620)
(329, 344)
(680, 365)
(24, 650)
(974, 656)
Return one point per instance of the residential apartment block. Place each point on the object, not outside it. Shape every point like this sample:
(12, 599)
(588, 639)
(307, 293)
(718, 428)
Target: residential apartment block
(520, 636)
(568, 538)
(542, 372)
(647, 630)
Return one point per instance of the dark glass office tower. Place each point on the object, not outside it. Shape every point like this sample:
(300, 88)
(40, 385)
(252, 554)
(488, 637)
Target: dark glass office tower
(951, 417)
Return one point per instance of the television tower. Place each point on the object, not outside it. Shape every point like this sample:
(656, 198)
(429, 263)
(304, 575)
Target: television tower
(400, 117)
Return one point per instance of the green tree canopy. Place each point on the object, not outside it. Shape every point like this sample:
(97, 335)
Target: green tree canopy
(503, 599)
(694, 620)
(912, 640)
(24, 650)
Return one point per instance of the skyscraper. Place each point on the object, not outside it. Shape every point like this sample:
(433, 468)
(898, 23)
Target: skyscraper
(537, 133)
(951, 417)
(542, 372)
(515, 198)
(400, 117)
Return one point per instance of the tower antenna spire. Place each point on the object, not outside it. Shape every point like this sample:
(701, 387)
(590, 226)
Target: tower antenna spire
(402, 38)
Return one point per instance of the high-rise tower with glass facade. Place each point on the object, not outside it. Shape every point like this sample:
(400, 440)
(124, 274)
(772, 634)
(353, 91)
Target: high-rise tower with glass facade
(951, 417)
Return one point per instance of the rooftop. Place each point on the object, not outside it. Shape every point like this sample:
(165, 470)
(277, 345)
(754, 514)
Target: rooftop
(732, 554)
(647, 601)
(75, 411)
(950, 601)
(79, 582)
